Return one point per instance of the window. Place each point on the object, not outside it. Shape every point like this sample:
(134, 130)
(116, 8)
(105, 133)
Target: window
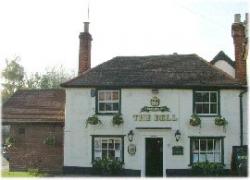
(108, 101)
(206, 149)
(206, 102)
(109, 147)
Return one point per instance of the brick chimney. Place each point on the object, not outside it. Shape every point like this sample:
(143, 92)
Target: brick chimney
(85, 49)
(240, 38)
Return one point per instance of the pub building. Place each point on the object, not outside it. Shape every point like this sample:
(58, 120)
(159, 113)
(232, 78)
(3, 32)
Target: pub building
(171, 107)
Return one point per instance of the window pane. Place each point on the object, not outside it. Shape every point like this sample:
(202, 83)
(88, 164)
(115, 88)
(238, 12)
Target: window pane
(104, 153)
(111, 144)
(196, 145)
(108, 95)
(202, 157)
(217, 145)
(101, 96)
(111, 154)
(217, 157)
(205, 97)
(210, 157)
(213, 97)
(195, 157)
(202, 108)
(101, 106)
(198, 108)
(115, 95)
(115, 106)
(108, 106)
(210, 144)
(104, 144)
(203, 145)
(213, 108)
(198, 97)
(117, 146)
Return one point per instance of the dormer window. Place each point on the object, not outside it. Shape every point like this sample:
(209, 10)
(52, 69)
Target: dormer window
(108, 101)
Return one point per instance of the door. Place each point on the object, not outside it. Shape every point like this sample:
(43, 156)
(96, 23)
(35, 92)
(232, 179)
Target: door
(154, 157)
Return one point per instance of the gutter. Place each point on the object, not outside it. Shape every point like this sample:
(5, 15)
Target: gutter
(241, 117)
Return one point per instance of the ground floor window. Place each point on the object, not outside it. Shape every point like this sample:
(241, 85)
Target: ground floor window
(204, 149)
(107, 147)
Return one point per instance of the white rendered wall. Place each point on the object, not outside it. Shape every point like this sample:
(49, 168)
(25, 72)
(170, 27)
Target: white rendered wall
(224, 66)
(80, 105)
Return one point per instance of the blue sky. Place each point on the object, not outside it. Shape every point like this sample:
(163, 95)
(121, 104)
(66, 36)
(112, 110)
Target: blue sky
(44, 33)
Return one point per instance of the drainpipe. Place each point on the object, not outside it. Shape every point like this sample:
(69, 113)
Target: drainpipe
(241, 117)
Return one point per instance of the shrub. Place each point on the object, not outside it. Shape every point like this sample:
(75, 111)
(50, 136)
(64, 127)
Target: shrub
(10, 141)
(207, 169)
(93, 120)
(107, 166)
(33, 172)
(117, 119)
(220, 121)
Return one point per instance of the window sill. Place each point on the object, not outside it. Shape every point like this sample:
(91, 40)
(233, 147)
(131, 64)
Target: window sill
(207, 115)
(107, 114)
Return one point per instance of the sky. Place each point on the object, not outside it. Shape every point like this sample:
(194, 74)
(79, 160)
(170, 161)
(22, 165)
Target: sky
(44, 33)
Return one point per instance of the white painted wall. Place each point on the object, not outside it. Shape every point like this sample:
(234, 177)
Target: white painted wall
(80, 105)
(224, 66)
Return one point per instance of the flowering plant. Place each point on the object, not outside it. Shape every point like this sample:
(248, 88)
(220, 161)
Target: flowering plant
(195, 120)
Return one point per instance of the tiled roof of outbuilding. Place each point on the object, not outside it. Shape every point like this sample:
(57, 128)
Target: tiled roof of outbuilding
(163, 71)
(222, 56)
(34, 106)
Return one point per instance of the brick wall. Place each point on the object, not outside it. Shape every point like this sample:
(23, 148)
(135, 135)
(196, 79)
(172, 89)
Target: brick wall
(29, 150)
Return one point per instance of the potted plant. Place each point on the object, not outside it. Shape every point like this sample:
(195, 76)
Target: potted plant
(195, 120)
(221, 121)
(93, 120)
(50, 141)
(117, 119)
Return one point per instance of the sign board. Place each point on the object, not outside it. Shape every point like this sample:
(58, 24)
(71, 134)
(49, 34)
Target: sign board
(177, 150)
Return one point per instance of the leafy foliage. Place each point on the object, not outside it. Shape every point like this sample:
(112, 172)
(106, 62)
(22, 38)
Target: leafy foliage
(107, 166)
(13, 76)
(117, 119)
(10, 141)
(195, 120)
(208, 169)
(93, 120)
(220, 121)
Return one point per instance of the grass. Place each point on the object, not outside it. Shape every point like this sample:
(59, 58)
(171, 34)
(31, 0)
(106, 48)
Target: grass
(21, 174)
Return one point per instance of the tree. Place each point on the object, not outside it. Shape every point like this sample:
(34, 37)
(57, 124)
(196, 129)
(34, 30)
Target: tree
(13, 75)
(52, 78)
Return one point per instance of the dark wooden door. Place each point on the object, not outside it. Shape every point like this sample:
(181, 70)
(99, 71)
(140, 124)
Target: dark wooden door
(154, 157)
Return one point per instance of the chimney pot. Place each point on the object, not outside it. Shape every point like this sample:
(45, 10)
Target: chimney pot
(86, 27)
(237, 18)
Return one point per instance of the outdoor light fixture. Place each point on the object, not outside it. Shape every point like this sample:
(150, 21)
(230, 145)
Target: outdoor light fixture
(177, 135)
(130, 135)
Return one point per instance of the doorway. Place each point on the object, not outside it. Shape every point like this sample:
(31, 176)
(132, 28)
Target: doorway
(154, 157)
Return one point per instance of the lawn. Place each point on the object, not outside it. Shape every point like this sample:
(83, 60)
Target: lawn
(21, 174)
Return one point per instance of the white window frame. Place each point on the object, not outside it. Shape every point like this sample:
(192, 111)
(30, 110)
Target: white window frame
(209, 102)
(207, 151)
(100, 148)
(108, 101)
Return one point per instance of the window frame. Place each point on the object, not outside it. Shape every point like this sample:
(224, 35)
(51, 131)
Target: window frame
(108, 112)
(107, 136)
(221, 138)
(209, 102)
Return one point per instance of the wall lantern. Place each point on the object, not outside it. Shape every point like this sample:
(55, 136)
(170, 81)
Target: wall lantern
(177, 135)
(130, 135)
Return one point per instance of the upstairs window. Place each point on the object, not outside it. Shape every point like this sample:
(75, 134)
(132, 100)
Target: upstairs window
(108, 101)
(206, 102)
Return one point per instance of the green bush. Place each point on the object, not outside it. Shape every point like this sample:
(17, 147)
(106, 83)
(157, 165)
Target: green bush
(107, 166)
(220, 121)
(10, 141)
(207, 169)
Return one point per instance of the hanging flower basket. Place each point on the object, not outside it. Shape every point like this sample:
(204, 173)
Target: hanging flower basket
(220, 121)
(93, 120)
(195, 120)
(117, 119)
(50, 141)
